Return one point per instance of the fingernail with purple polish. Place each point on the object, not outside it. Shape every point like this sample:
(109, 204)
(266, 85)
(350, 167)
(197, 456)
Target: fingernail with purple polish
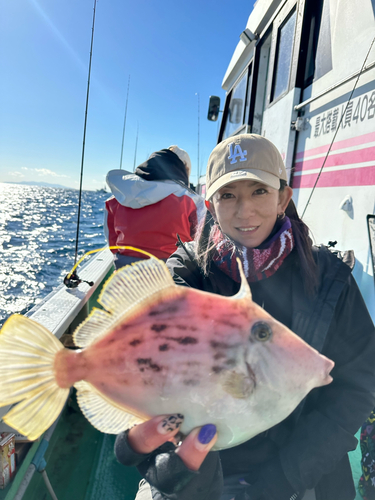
(206, 433)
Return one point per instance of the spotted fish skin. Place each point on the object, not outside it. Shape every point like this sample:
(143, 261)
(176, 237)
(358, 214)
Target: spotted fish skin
(194, 355)
(157, 348)
(164, 350)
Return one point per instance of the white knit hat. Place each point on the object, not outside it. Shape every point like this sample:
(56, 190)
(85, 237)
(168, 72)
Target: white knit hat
(184, 157)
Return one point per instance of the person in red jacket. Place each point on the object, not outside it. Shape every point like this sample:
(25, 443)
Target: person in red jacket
(151, 206)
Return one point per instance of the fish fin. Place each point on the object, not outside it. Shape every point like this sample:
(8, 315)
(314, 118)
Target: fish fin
(97, 322)
(132, 284)
(27, 355)
(238, 385)
(244, 291)
(125, 289)
(102, 413)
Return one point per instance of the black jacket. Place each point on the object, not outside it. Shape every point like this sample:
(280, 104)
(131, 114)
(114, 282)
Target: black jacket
(314, 440)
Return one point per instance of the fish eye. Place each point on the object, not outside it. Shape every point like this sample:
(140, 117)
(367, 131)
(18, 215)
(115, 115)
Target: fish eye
(261, 331)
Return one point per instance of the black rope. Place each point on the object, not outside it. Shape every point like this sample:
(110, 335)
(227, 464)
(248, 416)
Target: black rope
(84, 136)
(337, 129)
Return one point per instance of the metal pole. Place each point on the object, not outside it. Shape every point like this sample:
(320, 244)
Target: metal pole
(123, 130)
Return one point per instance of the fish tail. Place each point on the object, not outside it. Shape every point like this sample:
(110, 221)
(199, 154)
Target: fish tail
(27, 375)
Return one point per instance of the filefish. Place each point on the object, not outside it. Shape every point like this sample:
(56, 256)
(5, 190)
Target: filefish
(158, 348)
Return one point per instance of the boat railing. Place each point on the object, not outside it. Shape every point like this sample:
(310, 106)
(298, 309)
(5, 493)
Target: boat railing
(60, 311)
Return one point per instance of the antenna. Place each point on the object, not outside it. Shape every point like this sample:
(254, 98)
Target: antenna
(135, 150)
(123, 130)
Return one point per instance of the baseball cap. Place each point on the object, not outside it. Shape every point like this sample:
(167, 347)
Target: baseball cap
(184, 157)
(244, 157)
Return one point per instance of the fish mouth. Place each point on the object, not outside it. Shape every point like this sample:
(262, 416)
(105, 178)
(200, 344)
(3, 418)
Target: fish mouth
(328, 368)
(327, 380)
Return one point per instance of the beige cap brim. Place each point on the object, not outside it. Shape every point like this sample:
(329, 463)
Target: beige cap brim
(241, 175)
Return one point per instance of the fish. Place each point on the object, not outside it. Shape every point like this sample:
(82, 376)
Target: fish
(157, 348)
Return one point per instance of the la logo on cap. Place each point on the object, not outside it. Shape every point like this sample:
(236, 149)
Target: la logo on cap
(236, 153)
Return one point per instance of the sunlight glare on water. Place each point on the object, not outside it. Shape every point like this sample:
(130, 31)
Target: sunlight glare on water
(37, 240)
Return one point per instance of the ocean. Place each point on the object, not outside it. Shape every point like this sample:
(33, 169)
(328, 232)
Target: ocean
(37, 240)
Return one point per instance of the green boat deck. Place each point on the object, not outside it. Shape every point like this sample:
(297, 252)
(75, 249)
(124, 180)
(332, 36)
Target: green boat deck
(81, 465)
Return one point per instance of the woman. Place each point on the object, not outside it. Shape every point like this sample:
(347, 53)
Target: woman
(308, 289)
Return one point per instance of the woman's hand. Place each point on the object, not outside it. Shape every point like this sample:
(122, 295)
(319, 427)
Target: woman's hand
(177, 471)
(147, 437)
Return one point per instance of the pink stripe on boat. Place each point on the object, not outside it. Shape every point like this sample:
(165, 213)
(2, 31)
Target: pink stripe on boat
(357, 156)
(364, 176)
(346, 143)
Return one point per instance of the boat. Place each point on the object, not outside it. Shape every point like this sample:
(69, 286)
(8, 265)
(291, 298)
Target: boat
(299, 79)
(303, 75)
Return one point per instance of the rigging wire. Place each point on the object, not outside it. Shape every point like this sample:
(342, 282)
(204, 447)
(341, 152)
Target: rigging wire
(84, 135)
(337, 129)
(123, 130)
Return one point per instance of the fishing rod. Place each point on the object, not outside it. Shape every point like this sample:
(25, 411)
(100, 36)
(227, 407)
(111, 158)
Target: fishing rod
(84, 134)
(69, 276)
(123, 130)
(198, 169)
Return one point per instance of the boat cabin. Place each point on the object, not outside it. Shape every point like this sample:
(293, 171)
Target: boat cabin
(303, 75)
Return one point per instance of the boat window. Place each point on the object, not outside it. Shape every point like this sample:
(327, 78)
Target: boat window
(319, 48)
(283, 56)
(323, 59)
(236, 107)
(371, 233)
(261, 84)
(248, 95)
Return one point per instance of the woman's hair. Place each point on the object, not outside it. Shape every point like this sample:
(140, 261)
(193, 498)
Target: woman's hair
(205, 242)
(303, 242)
(208, 231)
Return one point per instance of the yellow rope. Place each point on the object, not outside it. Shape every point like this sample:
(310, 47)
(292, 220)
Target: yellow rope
(110, 248)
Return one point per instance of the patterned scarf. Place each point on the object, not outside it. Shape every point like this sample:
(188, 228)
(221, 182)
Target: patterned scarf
(258, 263)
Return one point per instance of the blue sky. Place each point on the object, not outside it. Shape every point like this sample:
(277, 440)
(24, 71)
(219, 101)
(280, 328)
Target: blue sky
(172, 50)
